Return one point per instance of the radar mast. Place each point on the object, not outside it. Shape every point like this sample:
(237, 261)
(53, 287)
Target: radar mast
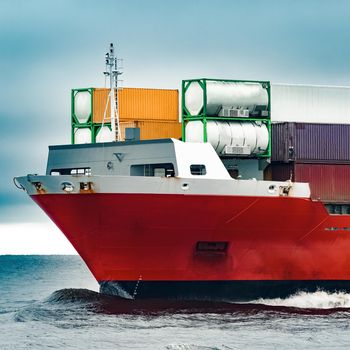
(113, 72)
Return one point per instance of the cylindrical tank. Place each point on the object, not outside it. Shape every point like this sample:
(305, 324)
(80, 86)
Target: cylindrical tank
(250, 136)
(82, 135)
(225, 136)
(220, 134)
(104, 134)
(262, 140)
(236, 133)
(235, 95)
(82, 106)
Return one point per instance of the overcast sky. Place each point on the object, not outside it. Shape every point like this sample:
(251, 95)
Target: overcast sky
(49, 47)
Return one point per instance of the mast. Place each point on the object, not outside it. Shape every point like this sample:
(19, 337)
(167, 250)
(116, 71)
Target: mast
(113, 72)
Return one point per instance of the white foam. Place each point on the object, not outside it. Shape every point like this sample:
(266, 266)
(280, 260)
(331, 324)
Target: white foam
(190, 347)
(316, 300)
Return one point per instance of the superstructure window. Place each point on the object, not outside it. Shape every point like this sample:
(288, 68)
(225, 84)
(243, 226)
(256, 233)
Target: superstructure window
(338, 209)
(77, 171)
(159, 170)
(71, 171)
(198, 169)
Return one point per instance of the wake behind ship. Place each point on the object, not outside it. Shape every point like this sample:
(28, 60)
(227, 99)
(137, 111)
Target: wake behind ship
(193, 219)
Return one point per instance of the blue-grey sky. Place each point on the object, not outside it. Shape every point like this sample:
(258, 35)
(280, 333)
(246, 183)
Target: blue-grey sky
(49, 47)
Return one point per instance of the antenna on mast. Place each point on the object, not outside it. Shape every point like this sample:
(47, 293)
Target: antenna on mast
(112, 72)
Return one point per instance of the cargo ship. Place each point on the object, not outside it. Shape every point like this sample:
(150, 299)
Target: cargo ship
(193, 218)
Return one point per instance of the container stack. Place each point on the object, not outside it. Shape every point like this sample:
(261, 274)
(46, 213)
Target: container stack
(154, 111)
(232, 115)
(306, 151)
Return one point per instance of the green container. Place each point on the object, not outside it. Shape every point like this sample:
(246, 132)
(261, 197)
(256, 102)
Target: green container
(205, 99)
(81, 115)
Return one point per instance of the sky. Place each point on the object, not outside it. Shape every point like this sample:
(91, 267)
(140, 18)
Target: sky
(49, 47)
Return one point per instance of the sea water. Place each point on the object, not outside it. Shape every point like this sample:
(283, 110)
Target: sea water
(52, 302)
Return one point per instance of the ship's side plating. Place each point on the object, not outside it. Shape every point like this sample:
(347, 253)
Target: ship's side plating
(164, 219)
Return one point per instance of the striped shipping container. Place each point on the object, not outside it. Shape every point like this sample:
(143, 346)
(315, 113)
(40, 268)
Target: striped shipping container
(329, 183)
(279, 172)
(138, 104)
(159, 129)
(153, 129)
(101, 106)
(124, 125)
(303, 142)
(149, 104)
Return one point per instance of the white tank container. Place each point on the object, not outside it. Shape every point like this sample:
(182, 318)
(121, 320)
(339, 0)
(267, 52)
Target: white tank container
(220, 134)
(82, 135)
(82, 106)
(262, 138)
(225, 94)
(104, 134)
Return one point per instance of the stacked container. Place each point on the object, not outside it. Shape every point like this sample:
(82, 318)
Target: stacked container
(311, 140)
(81, 115)
(232, 115)
(310, 104)
(154, 111)
(315, 153)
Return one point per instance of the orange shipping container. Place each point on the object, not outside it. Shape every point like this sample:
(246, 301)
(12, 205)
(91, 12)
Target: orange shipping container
(159, 130)
(153, 129)
(148, 104)
(124, 125)
(99, 108)
(138, 104)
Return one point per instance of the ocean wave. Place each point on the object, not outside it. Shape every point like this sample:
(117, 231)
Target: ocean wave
(67, 303)
(305, 300)
(102, 303)
(74, 295)
(60, 305)
(194, 347)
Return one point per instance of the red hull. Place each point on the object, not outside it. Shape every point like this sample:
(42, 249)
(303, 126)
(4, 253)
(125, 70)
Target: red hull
(126, 237)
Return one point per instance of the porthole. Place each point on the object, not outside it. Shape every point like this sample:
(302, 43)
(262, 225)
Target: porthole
(272, 189)
(185, 186)
(67, 187)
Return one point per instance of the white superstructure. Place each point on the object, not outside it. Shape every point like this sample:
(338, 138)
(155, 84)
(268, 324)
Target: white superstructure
(165, 166)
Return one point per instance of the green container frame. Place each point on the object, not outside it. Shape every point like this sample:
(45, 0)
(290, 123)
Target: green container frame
(96, 128)
(204, 118)
(74, 120)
